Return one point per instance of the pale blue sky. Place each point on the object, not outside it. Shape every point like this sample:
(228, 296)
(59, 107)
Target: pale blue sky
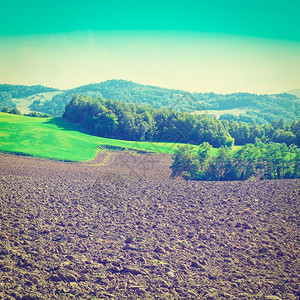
(227, 46)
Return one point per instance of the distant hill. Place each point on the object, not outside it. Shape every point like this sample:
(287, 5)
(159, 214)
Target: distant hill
(259, 108)
(238, 106)
(11, 94)
(295, 92)
(24, 104)
(125, 91)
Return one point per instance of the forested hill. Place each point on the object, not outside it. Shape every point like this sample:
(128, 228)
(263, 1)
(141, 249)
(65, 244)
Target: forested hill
(255, 108)
(244, 107)
(122, 90)
(9, 91)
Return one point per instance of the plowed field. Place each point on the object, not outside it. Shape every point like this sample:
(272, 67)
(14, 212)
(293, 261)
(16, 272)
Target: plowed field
(119, 228)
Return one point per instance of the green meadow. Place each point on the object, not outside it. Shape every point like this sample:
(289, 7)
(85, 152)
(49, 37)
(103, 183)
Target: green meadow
(57, 139)
(23, 104)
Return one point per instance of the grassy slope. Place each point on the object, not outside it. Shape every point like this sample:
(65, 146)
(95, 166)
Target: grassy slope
(24, 103)
(57, 139)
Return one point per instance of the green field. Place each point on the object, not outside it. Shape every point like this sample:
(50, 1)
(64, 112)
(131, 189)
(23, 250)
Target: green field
(24, 103)
(57, 139)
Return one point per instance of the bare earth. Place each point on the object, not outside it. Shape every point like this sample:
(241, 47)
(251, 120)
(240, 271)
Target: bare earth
(119, 228)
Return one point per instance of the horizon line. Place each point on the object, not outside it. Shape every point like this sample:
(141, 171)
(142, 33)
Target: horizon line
(150, 85)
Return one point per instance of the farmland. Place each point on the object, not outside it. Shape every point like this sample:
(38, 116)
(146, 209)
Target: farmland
(118, 228)
(57, 139)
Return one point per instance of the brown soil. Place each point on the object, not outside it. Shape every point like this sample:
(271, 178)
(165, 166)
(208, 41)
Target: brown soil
(119, 228)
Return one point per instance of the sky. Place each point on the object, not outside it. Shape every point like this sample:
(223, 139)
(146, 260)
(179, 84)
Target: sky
(198, 46)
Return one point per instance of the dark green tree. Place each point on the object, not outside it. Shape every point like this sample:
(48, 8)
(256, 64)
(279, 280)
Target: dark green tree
(185, 163)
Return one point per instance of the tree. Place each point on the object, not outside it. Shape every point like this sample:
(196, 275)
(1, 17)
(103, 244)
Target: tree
(5, 110)
(248, 162)
(204, 152)
(222, 165)
(185, 162)
(281, 136)
(105, 124)
(13, 111)
(82, 106)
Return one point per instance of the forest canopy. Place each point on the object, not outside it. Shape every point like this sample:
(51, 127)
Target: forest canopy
(116, 119)
(258, 108)
(9, 91)
(252, 161)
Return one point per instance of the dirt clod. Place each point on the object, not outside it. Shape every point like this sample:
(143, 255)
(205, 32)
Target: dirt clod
(78, 231)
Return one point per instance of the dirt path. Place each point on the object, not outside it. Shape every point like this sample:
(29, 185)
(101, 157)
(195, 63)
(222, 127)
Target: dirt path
(103, 159)
(123, 230)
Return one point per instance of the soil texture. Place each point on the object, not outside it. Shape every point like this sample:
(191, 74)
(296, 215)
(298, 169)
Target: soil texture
(119, 228)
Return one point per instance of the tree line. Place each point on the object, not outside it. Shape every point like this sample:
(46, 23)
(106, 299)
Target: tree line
(16, 111)
(115, 119)
(22, 91)
(9, 91)
(252, 161)
(275, 131)
(261, 108)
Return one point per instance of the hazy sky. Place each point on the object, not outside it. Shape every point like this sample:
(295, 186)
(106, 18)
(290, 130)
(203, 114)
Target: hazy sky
(205, 46)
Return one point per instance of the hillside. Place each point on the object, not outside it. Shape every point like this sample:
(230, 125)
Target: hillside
(12, 96)
(244, 107)
(57, 139)
(125, 91)
(252, 107)
(24, 104)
